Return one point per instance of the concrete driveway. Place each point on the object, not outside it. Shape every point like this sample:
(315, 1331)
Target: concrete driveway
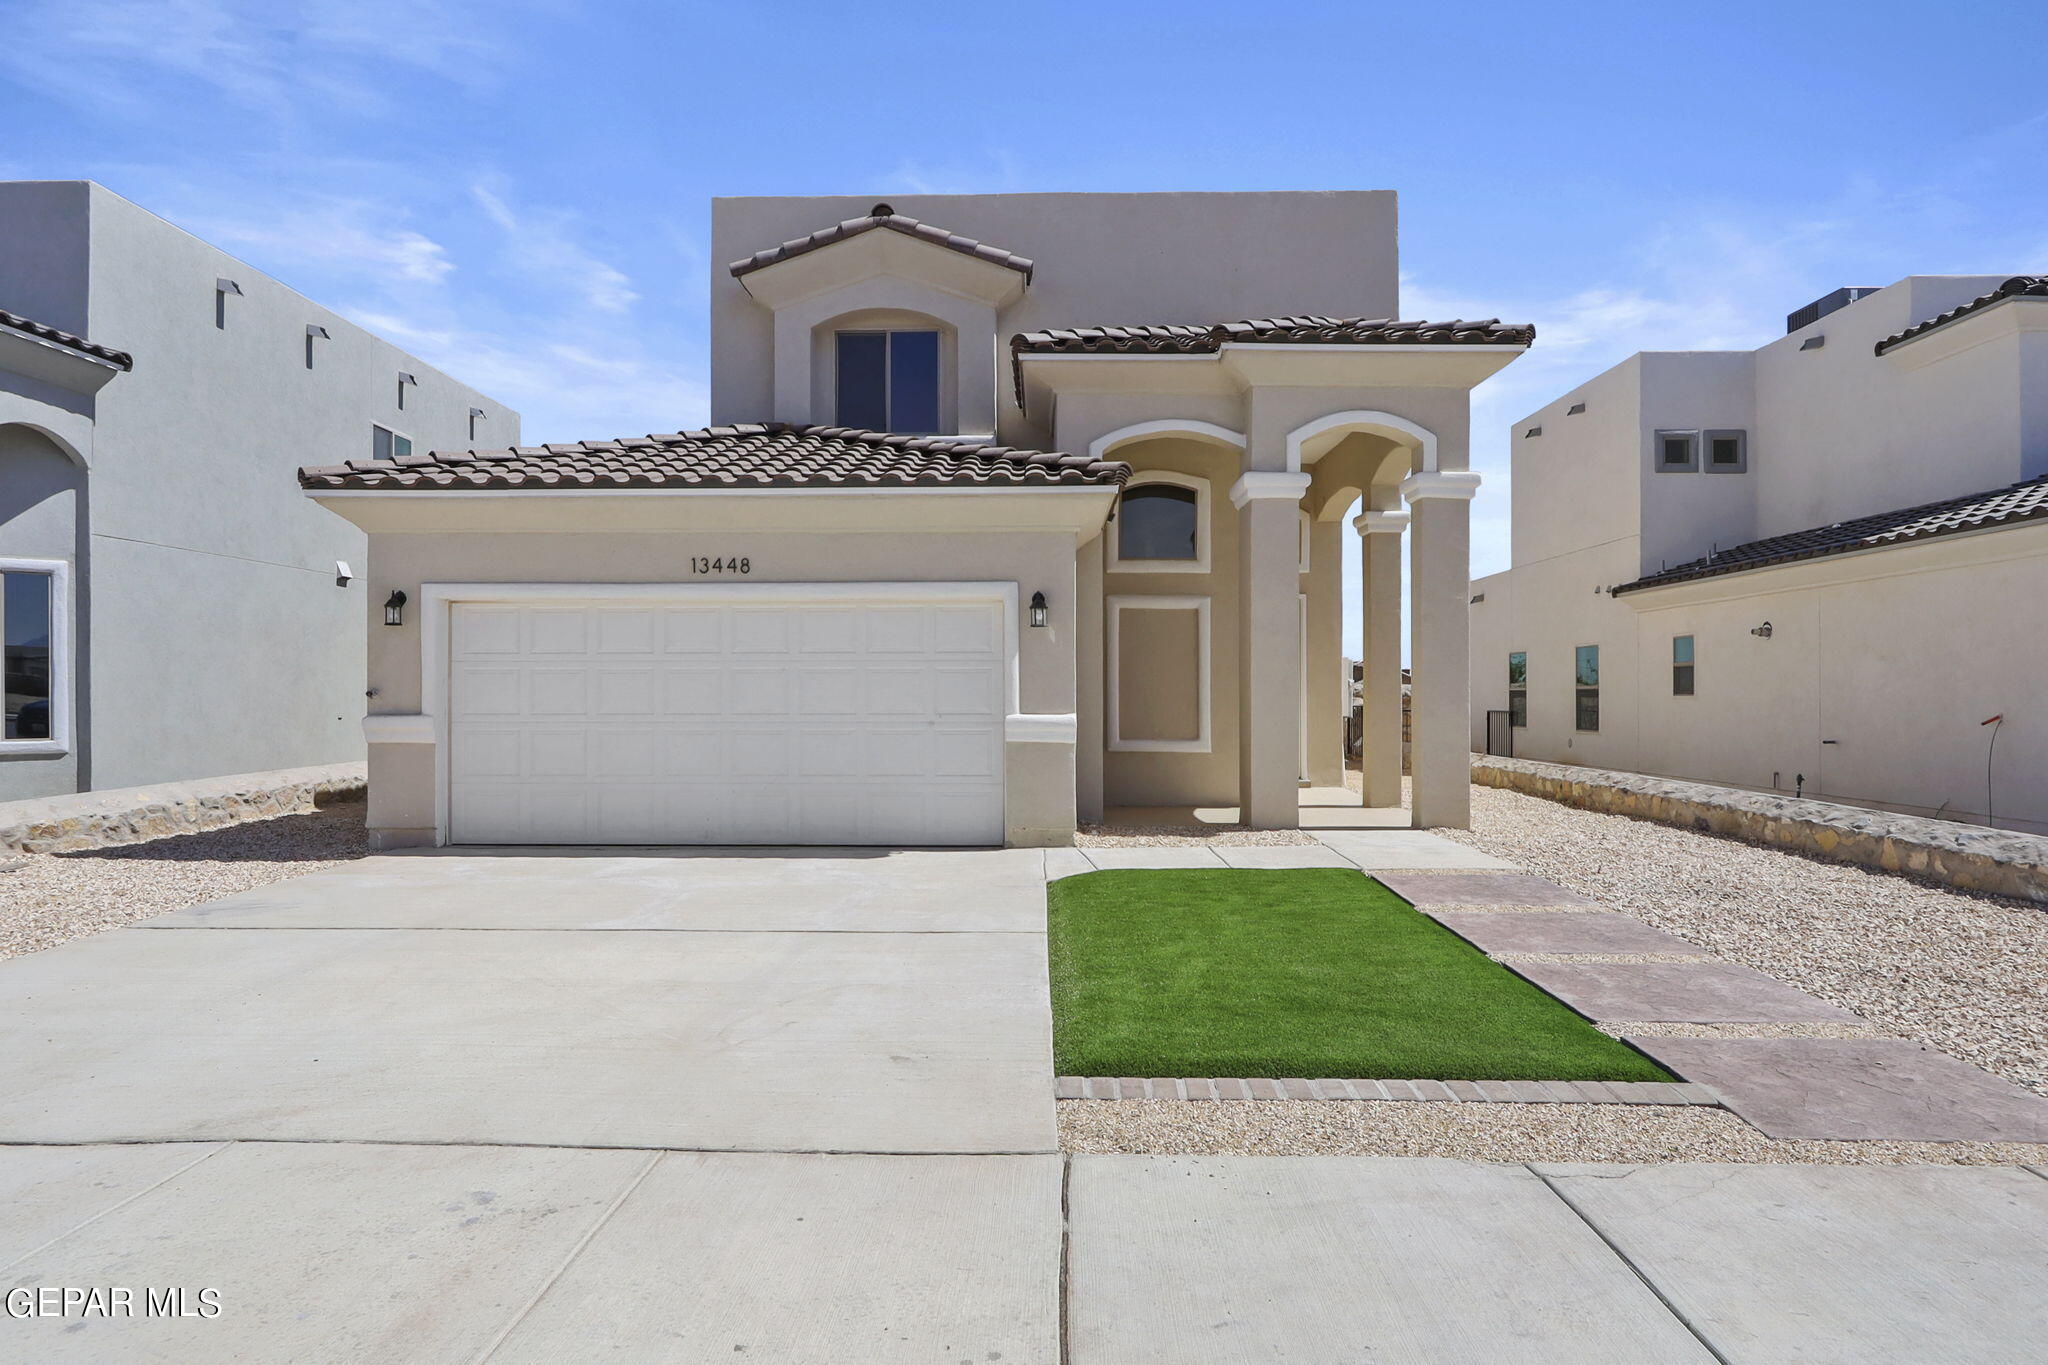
(798, 1108)
(818, 1001)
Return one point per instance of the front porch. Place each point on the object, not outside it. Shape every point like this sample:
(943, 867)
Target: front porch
(1317, 808)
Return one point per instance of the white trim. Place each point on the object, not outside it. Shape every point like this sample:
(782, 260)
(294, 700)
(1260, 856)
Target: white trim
(8, 329)
(1047, 728)
(397, 728)
(1387, 423)
(62, 674)
(1258, 484)
(1378, 348)
(438, 600)
(1116, 563)
(1113, 609)
(1099, 448)
(1380, 523)
(324, 494)
(1307, 556)
(1461, 484)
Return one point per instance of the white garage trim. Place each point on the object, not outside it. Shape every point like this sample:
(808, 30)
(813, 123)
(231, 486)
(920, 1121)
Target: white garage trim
(438, 601)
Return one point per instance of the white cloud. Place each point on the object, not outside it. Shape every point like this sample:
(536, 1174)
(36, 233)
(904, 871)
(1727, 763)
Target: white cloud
(540, 243)
(338, 235)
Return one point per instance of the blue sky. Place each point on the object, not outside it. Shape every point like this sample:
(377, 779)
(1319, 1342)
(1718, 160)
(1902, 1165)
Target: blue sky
(519, 191)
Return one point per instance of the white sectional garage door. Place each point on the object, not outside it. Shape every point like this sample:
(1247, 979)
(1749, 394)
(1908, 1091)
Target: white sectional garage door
(772, 722)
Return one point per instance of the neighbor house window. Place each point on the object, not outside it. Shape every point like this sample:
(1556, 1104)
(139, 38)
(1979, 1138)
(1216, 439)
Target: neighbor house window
(1681, 665)
(31, 644)
(1161, 524)
(889, 381)
(1677, 451)
(1727, 451)
(1518, 689)
(1586, 679)
(386, 444)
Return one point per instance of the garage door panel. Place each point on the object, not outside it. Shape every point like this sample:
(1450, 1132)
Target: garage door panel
(558, 630)
(693, 630)
(557, 692)
(802, 722)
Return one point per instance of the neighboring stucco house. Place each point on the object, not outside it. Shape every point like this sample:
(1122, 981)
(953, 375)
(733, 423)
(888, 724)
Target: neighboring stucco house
(170, 607)
(1818, 566)
(967, 557)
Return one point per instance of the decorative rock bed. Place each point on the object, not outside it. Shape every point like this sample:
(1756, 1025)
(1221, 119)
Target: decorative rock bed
(127, 815)
(1996, 861)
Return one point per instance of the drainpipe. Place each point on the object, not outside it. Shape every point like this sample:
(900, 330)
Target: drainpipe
(1996, 723)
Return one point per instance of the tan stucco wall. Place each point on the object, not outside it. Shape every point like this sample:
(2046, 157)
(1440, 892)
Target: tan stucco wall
(1895, 654)
(1039, 776)
(1159, 673)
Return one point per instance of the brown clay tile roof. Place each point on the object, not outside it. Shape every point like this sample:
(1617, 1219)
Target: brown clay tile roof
(769, 455)
(882, 216)
(1307, 329)
(66, 339)
(2032, 286)
(2020, 502)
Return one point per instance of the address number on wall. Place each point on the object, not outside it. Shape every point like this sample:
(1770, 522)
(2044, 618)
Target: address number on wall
(722, 564)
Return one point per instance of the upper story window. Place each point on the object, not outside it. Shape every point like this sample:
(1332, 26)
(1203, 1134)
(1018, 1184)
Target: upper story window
(1678, 451)
(1727, 451)
(386, 444)
(889, 381)
(1162, 524)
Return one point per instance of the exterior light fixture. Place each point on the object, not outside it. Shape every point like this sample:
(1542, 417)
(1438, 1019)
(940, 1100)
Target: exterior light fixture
(1038, 609)
(1762, 632)
(394, 608)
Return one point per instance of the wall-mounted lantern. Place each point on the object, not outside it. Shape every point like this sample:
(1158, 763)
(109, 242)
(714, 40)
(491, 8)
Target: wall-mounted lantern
(1038, 609)
(1762, 632)
(394, 608)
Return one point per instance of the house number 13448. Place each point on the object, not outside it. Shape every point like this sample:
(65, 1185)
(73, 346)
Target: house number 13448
(721, 565)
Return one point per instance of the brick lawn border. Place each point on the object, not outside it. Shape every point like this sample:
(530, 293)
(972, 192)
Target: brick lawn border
(1466, 1092)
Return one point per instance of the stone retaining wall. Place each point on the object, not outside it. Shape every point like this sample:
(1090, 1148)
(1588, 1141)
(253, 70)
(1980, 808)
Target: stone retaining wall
(128, 815)
(2001, 862)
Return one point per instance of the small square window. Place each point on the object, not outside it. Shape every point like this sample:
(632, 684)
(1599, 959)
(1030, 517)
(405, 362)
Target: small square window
(1681, 666)
(1728, 451)
(386, 444)
(1678, 451)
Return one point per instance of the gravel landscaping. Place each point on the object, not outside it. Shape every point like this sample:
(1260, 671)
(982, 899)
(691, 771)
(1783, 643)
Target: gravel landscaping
(1964, 973)
(51, 898)
(1189, 836)
(1479, 1132)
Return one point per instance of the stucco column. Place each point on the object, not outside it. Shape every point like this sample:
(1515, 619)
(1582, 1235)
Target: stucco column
(1269, 652)
(1379, 595)
(1089, 697)
(1440, 646)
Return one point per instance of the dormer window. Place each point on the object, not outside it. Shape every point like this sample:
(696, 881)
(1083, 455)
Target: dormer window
(889, 381)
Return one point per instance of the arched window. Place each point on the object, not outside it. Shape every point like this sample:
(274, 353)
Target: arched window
(1162, 524)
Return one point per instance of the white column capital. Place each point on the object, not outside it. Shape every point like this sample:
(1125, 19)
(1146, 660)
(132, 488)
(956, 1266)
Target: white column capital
(1260, 484)
(1380, 523)
(1449, 483)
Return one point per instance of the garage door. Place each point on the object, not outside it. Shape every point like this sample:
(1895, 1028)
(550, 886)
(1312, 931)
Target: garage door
(630, 722)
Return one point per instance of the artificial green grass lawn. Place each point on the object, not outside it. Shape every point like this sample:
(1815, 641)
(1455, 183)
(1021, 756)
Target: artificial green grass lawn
(1317, 972)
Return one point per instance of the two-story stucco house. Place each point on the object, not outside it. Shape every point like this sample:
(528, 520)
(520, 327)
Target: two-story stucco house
(1814, 567)
(172, 608)
(1018, 508)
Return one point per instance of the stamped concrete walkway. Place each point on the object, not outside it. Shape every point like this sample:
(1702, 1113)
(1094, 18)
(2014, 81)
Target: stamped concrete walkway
(798, 1108)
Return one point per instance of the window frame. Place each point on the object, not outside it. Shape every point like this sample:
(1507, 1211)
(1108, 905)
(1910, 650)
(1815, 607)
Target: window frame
(396, 436)
(1581, 692)
(889, 375)
(1736, 434)
(1114, 608)
(59, 573)
(1692, 437)
(1518, 696)
(1690, 664)
(1116, 563)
